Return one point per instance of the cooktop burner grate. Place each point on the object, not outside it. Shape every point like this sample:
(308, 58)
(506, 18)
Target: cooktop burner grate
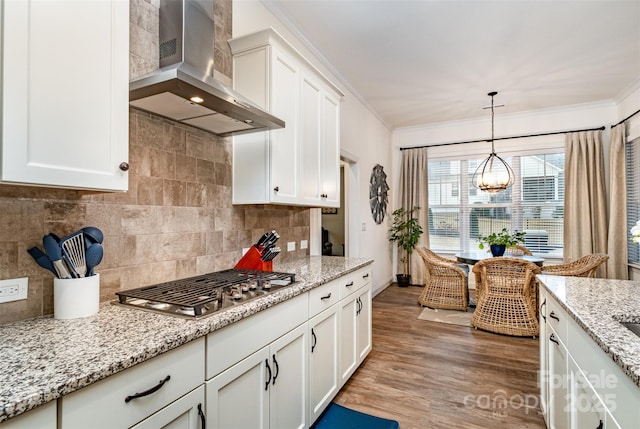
(205, 293)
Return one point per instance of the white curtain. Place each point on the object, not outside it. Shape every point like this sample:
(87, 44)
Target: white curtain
(617, 240)
(414, 193)
(585, 214)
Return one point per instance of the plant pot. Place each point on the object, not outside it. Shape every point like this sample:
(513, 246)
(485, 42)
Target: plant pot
(403, 280)
(498, 249)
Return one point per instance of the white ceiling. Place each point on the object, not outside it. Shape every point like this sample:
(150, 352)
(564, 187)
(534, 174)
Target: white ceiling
(417, 62)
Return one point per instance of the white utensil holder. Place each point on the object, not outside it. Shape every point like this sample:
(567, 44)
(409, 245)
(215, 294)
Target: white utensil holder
(74, 298)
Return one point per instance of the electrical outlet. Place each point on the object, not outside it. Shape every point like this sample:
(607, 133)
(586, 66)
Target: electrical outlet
(14, 289)
(304, 244)
(291, 246)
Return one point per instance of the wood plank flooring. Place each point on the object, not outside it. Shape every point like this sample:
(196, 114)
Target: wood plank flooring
(433, 375)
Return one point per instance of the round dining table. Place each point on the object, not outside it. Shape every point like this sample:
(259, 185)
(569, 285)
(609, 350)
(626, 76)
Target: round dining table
(471, 258)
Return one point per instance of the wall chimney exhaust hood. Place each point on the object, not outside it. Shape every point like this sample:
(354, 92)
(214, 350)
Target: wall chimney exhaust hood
(183, 89)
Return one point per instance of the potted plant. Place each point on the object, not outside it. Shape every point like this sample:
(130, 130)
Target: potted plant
(499, 241)
(406, 231)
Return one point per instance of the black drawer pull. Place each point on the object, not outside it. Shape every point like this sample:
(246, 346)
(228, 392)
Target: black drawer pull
(553, 316)
(277, 188)
(277, 368)
(365, 276)
(203, 420)
(327, 296)
(314, 340)
(266, 385)
(552, 338)
(349, 284)
(601, 425)
(148, 392)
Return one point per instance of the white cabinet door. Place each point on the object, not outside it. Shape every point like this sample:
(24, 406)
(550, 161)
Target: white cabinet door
(323, 361)
(559, 406)
(587, 410)
(363, 322)
(330, 152)
(238, 398)
(284, 154)
(65, 86)
(288, 390)
(185, 413)
(348, 334)
(310, 140)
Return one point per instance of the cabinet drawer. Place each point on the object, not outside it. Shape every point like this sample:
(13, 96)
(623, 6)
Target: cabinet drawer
(324, 296)
(235, 342)
(354, 281)
(104, 405)
(557, 318)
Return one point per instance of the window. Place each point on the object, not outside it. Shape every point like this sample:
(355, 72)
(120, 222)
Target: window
(632, 150)
(459, 213)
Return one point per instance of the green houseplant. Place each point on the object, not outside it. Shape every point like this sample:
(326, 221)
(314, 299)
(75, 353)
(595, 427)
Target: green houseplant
(406, 231)
(499, 241)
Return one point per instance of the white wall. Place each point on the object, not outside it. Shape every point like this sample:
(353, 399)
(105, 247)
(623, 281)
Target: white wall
(363, 138)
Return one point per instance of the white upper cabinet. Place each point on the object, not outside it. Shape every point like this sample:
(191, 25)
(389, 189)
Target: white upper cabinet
(298, 164)
(65, 87)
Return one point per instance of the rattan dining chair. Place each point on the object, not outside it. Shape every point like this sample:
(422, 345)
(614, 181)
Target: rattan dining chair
(446, 286)
(518, 250)
(582, 267)
(506, 297)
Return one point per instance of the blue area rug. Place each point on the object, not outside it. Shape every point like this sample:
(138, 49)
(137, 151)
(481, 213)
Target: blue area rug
(338, 417)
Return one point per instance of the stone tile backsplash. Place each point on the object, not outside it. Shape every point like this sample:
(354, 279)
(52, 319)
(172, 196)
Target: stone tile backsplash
(175, 221)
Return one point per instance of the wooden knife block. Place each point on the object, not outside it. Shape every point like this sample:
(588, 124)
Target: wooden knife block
(252, 261)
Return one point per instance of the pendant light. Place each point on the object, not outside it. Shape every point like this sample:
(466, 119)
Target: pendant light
(493, 174)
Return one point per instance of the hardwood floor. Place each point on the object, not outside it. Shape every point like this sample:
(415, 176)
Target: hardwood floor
(433, 375)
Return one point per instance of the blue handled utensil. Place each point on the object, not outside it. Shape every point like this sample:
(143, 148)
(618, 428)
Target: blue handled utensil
(55, 255)
(93, 256)
(42, 259)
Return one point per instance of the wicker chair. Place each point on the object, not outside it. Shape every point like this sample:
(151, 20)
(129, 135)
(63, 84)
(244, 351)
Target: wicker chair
(446, 285)
(582, 267)
(518, 250)
(506, 297)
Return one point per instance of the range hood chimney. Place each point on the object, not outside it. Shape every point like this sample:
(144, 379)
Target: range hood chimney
(183, 89)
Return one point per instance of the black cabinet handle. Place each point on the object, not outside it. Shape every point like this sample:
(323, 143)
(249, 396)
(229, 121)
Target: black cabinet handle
(365, 276)
(277, 368)
(553, 316)
(358, 306)
(544, 303)
(601, 425)
(327, 296)
(124, 166)
(277, 188)
(148, 392)
(323, 195)
(266, 385)
(314, 340)
(552, 338)
(203, 420)
(349, 284)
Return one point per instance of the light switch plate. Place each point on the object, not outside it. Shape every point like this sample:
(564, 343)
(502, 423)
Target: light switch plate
(14, 289)
(291, 246)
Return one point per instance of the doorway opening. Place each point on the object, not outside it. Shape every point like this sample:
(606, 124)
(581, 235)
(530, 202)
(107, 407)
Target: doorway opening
(333, 226)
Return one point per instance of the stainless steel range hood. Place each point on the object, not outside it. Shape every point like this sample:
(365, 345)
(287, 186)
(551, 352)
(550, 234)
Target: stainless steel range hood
(183, 89)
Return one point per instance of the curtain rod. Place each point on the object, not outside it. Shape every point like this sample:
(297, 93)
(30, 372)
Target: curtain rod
(506, 138)
(627, 118)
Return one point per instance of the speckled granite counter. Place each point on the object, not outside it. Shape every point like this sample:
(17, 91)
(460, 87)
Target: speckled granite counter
(44, 358)
(597, 305)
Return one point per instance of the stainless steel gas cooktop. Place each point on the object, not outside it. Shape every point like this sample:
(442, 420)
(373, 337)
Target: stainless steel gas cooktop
(200, 296)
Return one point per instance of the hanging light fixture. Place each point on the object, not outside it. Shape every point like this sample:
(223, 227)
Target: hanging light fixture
(493, 174)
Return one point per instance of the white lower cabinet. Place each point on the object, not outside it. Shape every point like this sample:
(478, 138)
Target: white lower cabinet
(43, 417)
(355, 331)
(130, 396)
(185, 413)
(323, 361)
(581, 387)
(266, 389)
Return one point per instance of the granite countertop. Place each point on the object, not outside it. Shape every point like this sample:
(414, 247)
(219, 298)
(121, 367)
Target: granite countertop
(598, 305)
(44, 358)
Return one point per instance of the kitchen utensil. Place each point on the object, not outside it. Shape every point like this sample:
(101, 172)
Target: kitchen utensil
(55, 255)
(93, 233)
(42, 259)
(93, 256)
(74, 252)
